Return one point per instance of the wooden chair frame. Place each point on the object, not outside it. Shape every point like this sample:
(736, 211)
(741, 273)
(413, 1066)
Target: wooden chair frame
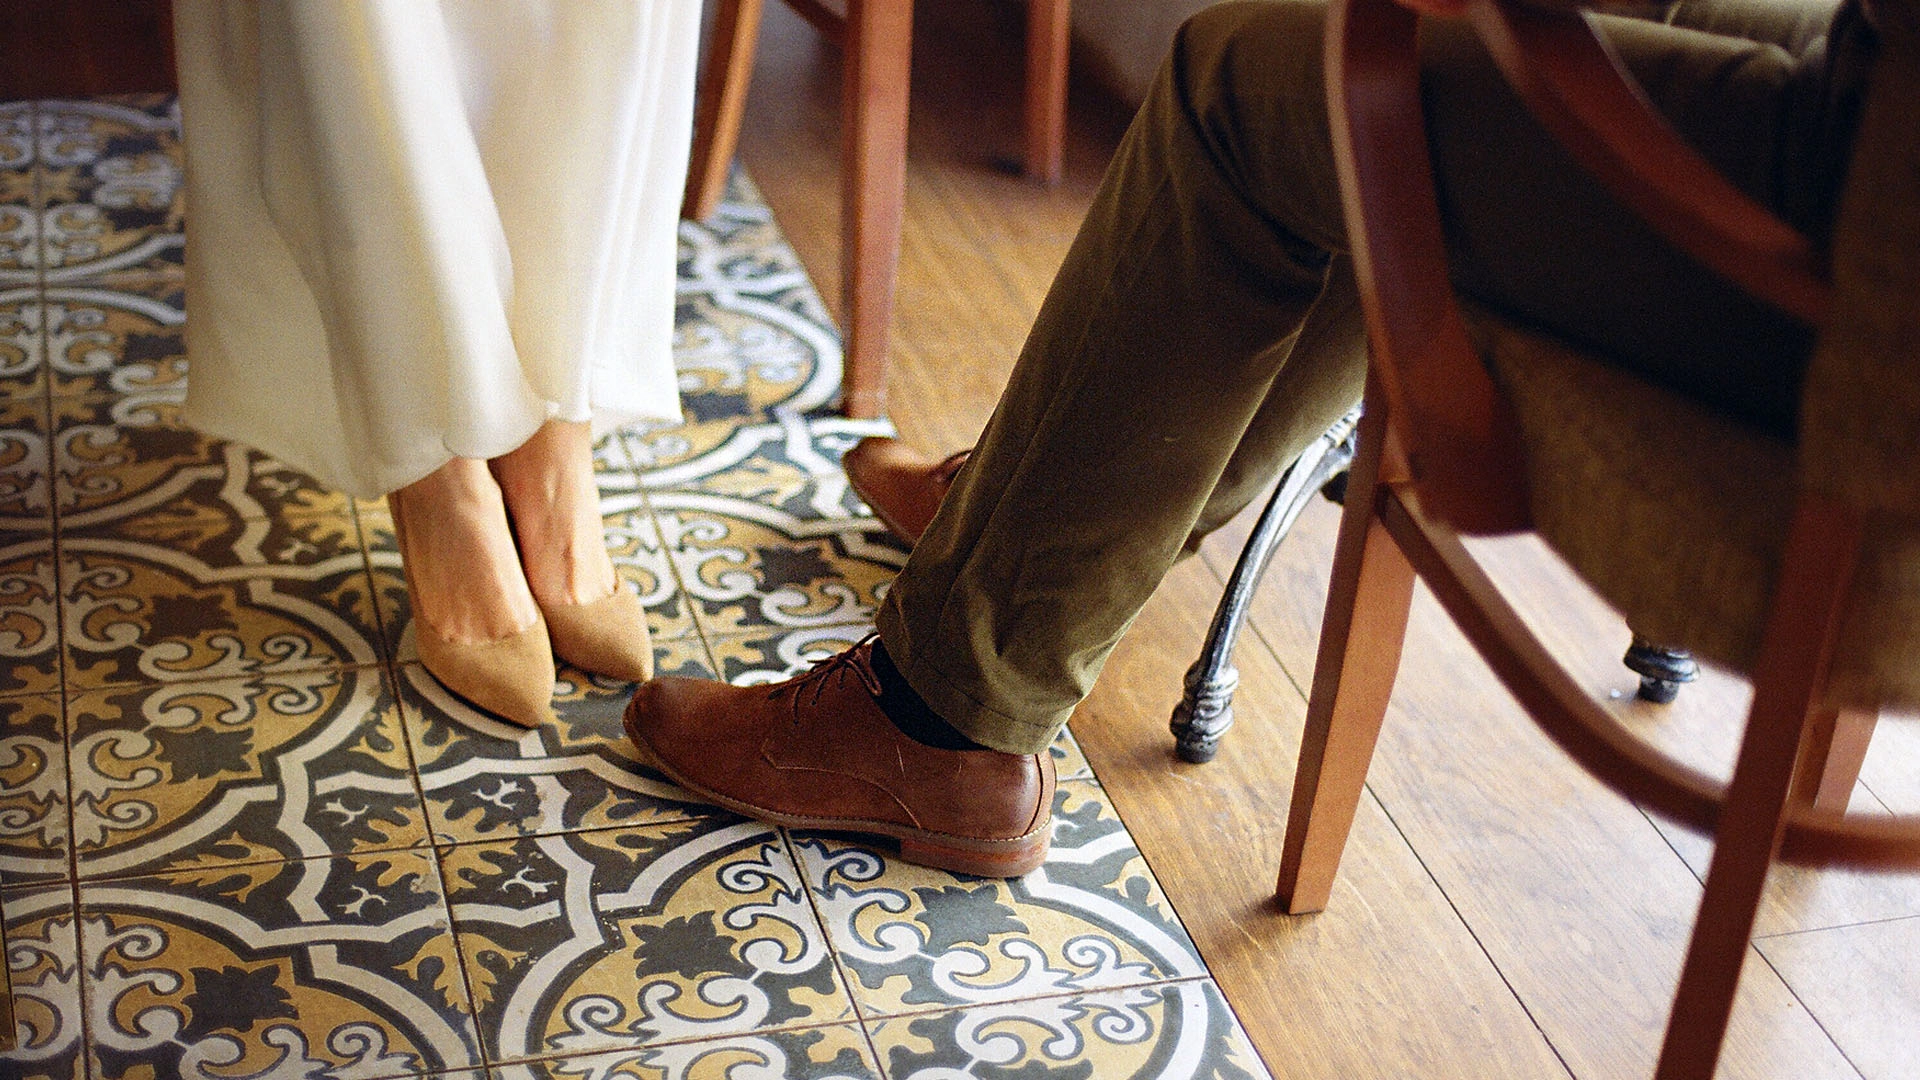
(877, 39)
(1435, 440)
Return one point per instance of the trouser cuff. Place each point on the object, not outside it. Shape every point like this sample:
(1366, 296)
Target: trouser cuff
(977, 720)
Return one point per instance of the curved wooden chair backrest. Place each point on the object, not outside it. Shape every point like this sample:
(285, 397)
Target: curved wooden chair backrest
(1449, 453)
(1449, 425)
(1439, 456)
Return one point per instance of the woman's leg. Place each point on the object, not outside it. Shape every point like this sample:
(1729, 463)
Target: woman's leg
(555, 508)
(464, 576)
(475, 624)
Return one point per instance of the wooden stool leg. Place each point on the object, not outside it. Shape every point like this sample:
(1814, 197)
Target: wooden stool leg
(724, 78)
(879, 44)
(1836, 746)
(1360, 641)
(1046, 105)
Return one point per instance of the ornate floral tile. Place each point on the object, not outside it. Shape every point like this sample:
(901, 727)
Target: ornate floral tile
(683, 656)
(763, 529)
(120, 340)
(195, 777)
(26, 491)
(43, 961)
(19, 225)
(123, 456)
(771, 655)
(342, 966)
(1168, 1031)
(750, 563)
(752, 340)
(164, 599)
(22, 355)
(620, 938)
(485, 779)
(642, 560)
(1069, 762)
(110, 186)
(299, 855)
(833, 1052)
(911, 938)
(29, 615)
(33, 790)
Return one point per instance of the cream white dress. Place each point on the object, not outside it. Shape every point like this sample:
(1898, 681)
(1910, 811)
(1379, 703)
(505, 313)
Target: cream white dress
(417, 229)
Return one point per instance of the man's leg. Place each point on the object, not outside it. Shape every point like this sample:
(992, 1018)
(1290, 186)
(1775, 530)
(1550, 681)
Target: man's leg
(1125, 431)
(1175, 312)
(1158, 344)
(1172, 338)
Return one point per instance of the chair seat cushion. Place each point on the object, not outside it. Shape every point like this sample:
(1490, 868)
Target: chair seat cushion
(1677, 516)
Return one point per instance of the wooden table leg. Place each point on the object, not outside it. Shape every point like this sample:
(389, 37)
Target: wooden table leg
(1046, 106)
(727, 71)
(879, 43)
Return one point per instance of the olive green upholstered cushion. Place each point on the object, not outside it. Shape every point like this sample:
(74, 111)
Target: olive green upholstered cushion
(1677, 516)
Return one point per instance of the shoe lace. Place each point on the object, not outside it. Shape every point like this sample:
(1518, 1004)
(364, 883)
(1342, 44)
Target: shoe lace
(851, 661)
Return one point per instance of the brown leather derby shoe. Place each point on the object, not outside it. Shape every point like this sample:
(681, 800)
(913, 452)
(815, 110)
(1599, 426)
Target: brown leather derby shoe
(903, 486)
(816, 752)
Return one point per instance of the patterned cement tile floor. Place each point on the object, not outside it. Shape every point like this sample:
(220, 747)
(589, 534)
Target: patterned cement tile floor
(242, 834)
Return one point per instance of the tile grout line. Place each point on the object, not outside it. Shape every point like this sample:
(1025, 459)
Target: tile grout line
(86, 985)
(673, 564)
(645, 496)
(484, 1058)
(860, 1017)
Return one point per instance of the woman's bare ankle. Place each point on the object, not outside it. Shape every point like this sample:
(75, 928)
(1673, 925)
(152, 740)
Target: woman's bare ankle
(549, 488)
(462, 569)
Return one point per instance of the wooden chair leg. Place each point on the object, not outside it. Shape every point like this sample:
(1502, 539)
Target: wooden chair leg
(1788, 675)
(1046, 98)
(1360, 641)
(879, 42)
(1836, 746)
(724, 77)
(1744, 845)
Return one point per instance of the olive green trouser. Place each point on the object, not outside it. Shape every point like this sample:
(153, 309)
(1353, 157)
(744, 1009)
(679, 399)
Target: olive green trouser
(1204, 327)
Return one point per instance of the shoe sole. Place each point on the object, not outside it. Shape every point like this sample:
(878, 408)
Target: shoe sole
(942, 851)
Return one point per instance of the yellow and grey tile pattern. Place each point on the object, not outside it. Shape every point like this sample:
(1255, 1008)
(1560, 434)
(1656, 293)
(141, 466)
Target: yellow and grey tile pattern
(243, 834)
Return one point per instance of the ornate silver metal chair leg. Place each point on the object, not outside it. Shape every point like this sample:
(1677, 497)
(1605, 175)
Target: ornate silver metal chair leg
(1206, 711)
(1661, 670)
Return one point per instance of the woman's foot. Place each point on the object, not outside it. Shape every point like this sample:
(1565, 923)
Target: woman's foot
(476, 625)
(555, 506)
(463, 573)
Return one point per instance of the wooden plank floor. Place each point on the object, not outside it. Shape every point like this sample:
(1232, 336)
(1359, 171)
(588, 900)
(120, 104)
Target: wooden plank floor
(1498, 914)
